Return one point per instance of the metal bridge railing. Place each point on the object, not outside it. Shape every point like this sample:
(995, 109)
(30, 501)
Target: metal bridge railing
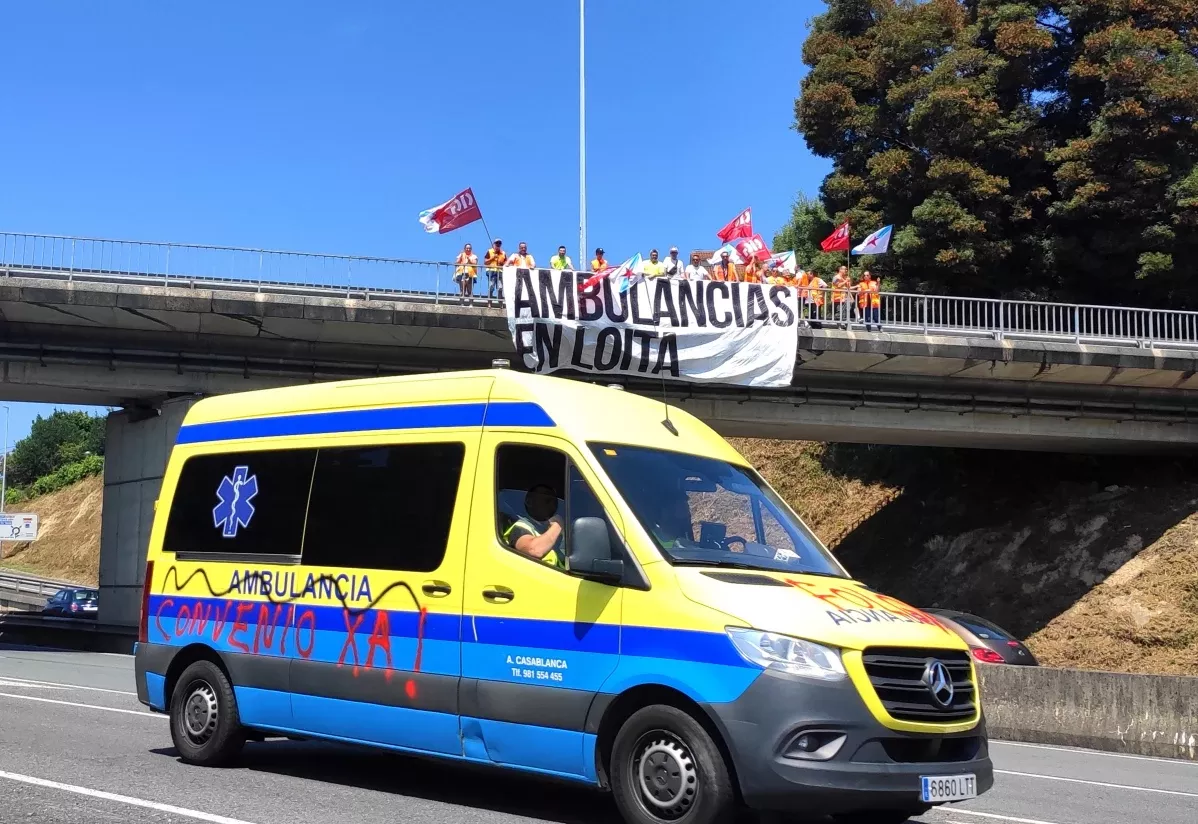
(183, 262)
(363, 277)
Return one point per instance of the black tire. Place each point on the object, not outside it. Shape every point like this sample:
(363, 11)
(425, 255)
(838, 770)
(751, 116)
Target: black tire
(691, 781)
(205, 725)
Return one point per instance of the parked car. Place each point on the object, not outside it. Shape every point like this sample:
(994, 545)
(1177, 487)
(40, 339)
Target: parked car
(988, 642)
(73, 602)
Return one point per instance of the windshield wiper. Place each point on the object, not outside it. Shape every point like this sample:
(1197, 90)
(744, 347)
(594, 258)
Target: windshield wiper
(730, 564)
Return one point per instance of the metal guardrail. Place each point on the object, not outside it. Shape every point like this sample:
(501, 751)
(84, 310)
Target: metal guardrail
(362, 277)
(30, 585)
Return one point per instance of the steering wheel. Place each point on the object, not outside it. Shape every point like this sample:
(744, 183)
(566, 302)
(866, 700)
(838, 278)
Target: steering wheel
(732, 539)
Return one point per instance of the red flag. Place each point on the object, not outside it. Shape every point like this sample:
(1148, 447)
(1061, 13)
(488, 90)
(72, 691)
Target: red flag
(455, 213)
(838, 241)
(741, 226)
(752, 247)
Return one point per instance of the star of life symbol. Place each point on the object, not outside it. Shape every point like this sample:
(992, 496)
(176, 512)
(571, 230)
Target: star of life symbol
(234, 494)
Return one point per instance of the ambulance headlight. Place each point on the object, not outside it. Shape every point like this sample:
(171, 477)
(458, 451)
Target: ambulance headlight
(783, 653)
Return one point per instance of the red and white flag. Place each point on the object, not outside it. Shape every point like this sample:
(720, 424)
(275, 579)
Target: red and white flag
(741, 226)
(455, 213)
(838, 241)
(753, 247)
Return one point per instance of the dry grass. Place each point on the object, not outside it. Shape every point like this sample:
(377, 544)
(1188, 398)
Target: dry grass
(68, 546)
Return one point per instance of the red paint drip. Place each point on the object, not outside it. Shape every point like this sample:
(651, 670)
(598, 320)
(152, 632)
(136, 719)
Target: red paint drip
(419, 646)
(409, 687)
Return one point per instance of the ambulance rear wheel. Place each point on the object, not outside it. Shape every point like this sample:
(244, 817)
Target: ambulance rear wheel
(666, 768)
(205, 726)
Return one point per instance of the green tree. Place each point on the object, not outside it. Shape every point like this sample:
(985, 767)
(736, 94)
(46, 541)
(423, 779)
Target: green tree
(1020, 148)
(54, 441)
(808, 225)
(1126, 221)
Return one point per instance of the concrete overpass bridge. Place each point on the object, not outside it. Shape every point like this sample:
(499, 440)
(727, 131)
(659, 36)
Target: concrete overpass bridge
(150, 327)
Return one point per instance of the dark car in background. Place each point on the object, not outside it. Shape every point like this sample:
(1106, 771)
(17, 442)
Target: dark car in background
(988, 642)
(73, 602)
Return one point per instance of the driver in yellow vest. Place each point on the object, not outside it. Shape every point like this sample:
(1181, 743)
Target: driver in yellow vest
(540, 534)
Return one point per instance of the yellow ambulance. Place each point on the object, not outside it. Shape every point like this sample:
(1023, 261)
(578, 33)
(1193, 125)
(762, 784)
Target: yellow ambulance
(544, 575)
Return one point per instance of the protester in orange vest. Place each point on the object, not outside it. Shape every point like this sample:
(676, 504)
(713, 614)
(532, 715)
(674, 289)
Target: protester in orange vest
(599, 263)
(869, 300)
(842, 284)
(724, 270)
(494, 260)
(752, 273)
(465, 273)
(816, 286)
(522, 258)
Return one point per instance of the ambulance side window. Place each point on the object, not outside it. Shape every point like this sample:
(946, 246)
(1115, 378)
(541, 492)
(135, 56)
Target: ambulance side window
(383, 507)
(559, 491)
(241, 504)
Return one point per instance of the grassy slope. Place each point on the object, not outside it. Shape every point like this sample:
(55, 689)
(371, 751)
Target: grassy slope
(68, 546)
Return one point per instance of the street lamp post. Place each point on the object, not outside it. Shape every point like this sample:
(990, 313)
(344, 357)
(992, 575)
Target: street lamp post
(4, 478)
(582, 137)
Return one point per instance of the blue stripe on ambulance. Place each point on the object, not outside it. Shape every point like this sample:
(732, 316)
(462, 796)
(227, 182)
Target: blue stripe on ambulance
(437, 416)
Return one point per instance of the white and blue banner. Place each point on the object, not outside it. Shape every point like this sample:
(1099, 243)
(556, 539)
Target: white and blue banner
(698, 331)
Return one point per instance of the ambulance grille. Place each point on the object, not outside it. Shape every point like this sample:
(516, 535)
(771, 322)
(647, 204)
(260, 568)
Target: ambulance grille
(897, 677)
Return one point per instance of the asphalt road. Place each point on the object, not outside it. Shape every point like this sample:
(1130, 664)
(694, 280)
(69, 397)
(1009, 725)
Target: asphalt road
(75, 746)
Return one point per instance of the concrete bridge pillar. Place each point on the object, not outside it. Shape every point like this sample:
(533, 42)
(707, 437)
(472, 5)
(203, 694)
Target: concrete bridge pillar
(135, 456)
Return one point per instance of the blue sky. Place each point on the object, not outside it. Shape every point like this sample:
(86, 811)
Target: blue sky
(328, 127)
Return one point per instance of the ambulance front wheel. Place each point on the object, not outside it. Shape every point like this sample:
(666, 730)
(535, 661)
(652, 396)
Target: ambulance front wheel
(666, 768)
(205, 726)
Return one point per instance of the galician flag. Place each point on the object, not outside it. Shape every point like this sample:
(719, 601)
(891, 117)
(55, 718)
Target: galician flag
(875, 244)
(622, 276)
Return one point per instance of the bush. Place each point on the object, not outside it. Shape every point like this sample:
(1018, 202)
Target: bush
(14, 496)
(67, 474)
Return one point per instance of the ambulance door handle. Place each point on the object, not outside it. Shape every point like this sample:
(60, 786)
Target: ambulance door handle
(436, 589)
(498, 595)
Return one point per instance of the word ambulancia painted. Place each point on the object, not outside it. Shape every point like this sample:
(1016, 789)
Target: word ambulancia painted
(287, 585)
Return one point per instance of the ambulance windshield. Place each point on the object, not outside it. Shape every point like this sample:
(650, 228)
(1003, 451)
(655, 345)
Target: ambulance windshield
(711, 513)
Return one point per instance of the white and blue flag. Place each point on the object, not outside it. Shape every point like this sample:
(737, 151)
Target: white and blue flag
(876, 244)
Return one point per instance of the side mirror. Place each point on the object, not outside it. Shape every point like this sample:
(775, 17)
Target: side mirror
(590, 551)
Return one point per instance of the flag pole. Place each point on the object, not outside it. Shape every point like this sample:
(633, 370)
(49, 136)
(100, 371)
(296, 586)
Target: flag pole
(582, 137)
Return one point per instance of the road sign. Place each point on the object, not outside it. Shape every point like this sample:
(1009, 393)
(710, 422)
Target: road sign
(18, 526)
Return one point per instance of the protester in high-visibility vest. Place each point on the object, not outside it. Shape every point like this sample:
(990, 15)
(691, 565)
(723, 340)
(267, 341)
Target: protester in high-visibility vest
(465, 273)
(522, 258)
(561, 260)
(816, 286)
(653, 268)
(869, 301)
(752, 273)
(724, 270)
(494, 260)
(842, 284)
(600, 262)
(541, 534)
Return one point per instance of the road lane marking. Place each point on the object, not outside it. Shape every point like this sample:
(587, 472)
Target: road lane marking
(9, 681)
(76, 704)
(1083, 751)
(123, 799)
(1097, 783)
(995, 817)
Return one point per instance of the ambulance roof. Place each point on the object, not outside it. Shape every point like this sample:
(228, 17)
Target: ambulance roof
(504, 398)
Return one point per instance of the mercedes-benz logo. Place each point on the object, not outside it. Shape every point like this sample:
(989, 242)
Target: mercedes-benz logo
(939, 682)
